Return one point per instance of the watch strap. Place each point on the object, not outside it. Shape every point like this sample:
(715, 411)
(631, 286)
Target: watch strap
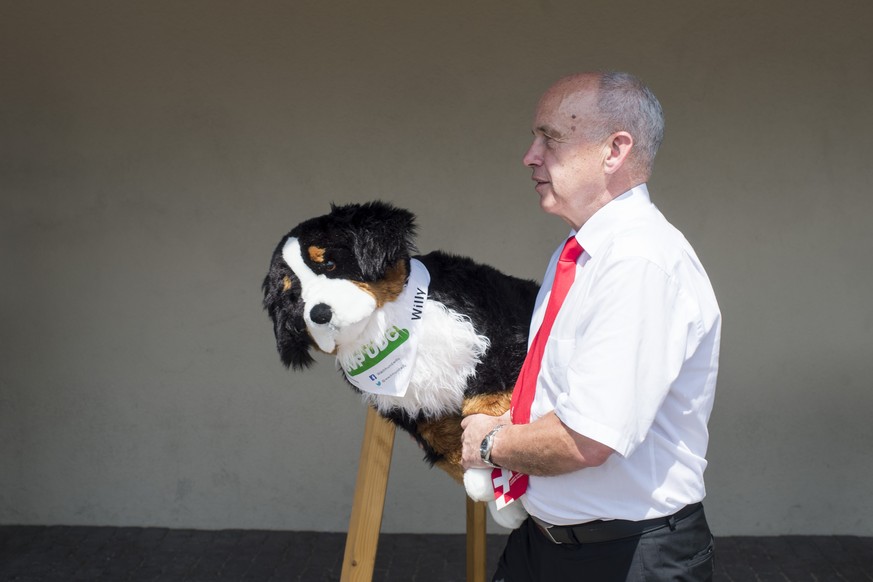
(487, 445)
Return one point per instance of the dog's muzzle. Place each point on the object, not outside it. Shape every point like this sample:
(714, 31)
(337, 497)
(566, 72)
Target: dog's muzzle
(321, 314)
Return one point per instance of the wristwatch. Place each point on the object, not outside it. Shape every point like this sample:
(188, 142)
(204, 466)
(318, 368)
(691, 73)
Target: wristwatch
(487, 444)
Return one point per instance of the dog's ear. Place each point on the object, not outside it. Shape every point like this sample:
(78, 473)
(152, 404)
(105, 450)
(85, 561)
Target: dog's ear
(383, 235)
(284, 305)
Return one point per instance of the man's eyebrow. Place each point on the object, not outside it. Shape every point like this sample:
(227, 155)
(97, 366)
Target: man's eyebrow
(548, 130)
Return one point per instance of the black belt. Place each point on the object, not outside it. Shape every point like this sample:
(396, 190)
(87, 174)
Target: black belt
(609, 530)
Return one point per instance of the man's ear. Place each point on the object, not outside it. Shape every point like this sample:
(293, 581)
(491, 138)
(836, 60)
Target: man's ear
(619, 147)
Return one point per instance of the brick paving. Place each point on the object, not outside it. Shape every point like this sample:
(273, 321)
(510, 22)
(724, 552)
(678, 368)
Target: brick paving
(61, 553)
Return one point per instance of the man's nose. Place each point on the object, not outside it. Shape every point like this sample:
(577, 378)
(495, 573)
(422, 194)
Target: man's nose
(534, 156)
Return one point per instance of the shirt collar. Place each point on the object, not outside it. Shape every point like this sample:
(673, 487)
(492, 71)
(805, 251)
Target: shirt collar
(601, 225)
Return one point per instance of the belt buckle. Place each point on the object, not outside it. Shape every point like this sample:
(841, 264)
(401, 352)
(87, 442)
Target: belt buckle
(545, 528)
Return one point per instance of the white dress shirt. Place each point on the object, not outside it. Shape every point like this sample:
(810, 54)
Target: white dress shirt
(631, 362)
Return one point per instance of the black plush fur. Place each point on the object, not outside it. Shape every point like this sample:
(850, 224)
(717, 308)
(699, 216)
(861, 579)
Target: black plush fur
(362, 241)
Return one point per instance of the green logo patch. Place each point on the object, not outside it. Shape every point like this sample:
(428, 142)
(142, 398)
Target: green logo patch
(372, 354)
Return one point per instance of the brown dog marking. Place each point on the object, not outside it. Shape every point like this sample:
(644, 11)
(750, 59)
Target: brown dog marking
(389, 288)
(316, 254)
(491, 404)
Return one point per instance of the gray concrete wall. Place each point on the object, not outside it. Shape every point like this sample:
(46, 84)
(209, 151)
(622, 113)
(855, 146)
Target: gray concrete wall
(152, 153)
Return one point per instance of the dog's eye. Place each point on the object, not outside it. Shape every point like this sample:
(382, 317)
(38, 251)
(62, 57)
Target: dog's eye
(322, 258)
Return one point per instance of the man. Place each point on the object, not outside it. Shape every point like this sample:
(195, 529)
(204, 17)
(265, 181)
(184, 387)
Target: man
(620, 400)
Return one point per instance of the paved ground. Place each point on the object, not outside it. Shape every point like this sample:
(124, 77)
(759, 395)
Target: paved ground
(43, 554)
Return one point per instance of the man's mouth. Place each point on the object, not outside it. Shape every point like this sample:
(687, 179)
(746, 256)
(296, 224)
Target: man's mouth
(540, 182)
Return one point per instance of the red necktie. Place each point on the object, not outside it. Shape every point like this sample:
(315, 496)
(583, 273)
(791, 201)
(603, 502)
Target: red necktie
(510, 485)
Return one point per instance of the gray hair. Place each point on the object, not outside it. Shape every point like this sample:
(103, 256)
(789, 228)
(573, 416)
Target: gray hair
(625, 103)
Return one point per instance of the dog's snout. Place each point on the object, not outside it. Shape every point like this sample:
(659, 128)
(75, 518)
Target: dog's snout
(321, 313)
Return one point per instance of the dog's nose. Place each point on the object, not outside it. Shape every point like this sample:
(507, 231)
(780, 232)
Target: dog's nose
(321, 313)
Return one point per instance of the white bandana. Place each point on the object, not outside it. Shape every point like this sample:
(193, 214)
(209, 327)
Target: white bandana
(385, 366)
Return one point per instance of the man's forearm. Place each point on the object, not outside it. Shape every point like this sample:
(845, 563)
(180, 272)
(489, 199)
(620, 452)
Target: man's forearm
(546, 447)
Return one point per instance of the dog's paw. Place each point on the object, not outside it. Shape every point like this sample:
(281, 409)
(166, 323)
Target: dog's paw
(511, 516)
(478, 484)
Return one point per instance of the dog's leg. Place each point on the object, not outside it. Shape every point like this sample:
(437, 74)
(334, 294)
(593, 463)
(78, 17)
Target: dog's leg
(477, 482)
(444, 435)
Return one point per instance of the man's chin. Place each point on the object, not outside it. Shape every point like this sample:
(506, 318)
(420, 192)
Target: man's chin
(548, 203)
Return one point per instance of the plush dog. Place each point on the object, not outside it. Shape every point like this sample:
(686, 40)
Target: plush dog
(425, 339)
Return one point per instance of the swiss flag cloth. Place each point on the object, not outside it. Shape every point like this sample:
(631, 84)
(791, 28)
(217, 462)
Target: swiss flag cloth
(509, 485)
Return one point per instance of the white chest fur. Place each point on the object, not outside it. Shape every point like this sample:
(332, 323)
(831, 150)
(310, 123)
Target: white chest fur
(448, 351)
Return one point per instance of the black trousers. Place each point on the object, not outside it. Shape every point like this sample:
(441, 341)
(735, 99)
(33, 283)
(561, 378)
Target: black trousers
(684, 553)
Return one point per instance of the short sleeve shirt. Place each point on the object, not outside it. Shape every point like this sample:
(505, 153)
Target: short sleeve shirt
(631, 362)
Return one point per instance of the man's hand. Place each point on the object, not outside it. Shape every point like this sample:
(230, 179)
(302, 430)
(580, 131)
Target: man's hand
(476, 426)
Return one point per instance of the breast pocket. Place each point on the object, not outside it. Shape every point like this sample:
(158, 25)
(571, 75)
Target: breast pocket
(553, 375)
(556, 361)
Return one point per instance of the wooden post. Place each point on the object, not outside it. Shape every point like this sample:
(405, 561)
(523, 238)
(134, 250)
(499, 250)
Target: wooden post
(362, 540)
(476, 555)
(369, 501)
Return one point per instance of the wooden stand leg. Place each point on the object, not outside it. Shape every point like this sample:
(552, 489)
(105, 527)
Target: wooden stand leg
(475, 541)
(369, 501)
